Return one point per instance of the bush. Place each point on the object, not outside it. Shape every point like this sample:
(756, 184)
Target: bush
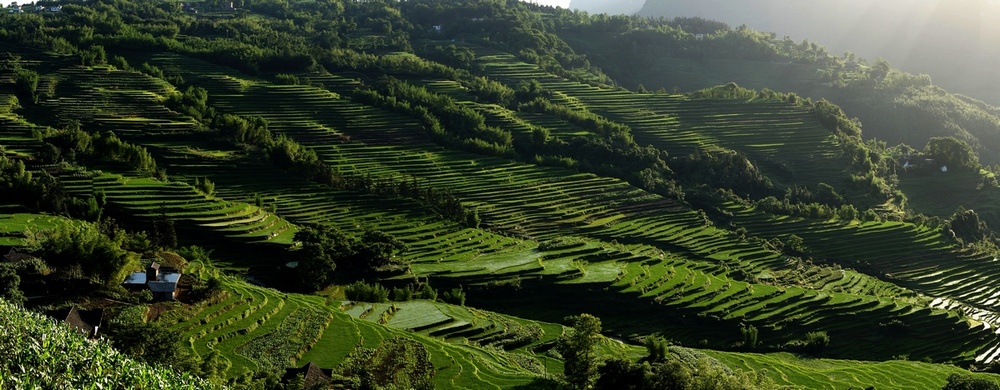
(456, 296)
(361, 291)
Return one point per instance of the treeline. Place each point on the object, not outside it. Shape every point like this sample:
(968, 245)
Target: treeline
(42, 192)
(72, 144)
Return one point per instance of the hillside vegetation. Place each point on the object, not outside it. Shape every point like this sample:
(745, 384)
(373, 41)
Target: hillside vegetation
(446, 194)
(902, 111)
(40, 354)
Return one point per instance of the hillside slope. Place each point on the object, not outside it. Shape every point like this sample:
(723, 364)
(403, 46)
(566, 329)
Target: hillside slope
(953, 42)
(39, 353)
(515, 178)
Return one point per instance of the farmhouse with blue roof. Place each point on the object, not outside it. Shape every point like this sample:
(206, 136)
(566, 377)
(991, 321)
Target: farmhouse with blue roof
(161, 281)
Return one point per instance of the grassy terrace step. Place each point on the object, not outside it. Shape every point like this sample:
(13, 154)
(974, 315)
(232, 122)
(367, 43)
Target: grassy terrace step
(126, 102)
(325, 336)
(190, 209)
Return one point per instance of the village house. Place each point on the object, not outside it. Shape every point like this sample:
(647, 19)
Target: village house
(14, 256)
(161, 281)
(312, 376)
(87, 322)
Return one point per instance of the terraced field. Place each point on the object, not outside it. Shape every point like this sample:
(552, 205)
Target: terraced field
(146, 199)
(254, 327)
(643, 262)
(539, 204)
(125, 102)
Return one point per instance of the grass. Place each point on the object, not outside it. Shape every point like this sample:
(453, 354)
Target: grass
(810, 373)
(14, 227)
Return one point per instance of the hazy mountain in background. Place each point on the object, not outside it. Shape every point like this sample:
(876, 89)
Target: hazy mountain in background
(956, 42)
(613, 7)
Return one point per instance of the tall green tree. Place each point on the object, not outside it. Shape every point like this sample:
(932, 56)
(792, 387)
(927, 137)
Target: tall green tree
(956, 154)
(578, 350)
(10, 284)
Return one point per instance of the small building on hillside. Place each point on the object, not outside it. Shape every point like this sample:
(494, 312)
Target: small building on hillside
(87, 322)
(14, 256)
(312, 376)
(161, 281)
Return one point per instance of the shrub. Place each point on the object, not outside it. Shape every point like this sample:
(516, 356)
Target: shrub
(361, 291)
(456, 296)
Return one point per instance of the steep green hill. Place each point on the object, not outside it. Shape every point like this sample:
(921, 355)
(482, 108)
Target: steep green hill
(41, 354)
(519, 181)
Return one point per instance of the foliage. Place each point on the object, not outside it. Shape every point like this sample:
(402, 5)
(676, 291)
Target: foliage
(455, 296)
(749, 333)
(86, 247)
(966, 226)
(10, 284)
(396, 363)
(364, 292)
(322, 246)
(577, 348)
(952, 152)
(205, 185)
(41, 354)
(967, 382)
(152, 343)
(324, 249)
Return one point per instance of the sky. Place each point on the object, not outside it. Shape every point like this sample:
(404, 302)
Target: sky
(558, 3)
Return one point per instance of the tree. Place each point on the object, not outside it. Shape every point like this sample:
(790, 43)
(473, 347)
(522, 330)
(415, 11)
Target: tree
(953, 153)
(966, 225)
(164, 232)
(968, 382)
(749, 336)
(619, 374)
(656, 349)
(206, 186)
(472, 218)
(577, 348)
(376, 249)
(322, 246)
(10, 284)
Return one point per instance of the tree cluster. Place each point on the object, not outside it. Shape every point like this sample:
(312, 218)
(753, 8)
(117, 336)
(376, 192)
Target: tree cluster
(325, 249)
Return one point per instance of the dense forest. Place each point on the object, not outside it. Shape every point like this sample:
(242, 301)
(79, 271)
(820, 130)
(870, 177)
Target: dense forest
(481, 194)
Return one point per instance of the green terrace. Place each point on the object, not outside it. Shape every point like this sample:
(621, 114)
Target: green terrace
(544, 203)
(144, 200)
(125, 102)
(253, 327)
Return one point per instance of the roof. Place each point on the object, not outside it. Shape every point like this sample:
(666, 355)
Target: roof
(312, 375)
(135, 278)
(14, 256)
(139, 278)
(162, 286)
(87, 321)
